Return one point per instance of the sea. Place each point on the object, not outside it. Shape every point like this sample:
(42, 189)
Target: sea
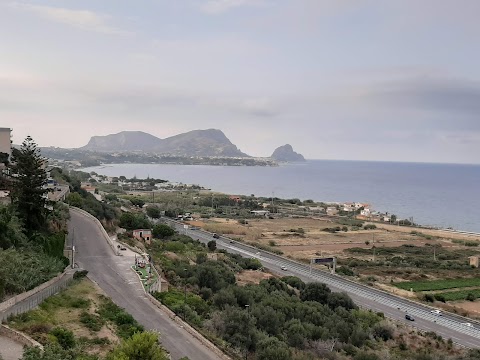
(438, 195)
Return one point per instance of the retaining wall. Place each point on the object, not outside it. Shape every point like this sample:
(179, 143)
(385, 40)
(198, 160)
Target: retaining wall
(18, 337)
(31, 299)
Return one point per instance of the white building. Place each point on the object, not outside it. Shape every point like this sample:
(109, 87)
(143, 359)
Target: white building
(5, 141)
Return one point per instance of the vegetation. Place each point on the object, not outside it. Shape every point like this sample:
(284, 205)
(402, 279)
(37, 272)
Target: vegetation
(28, 191)
(61, 319)
(438, 284)
(161, 231)
(132, 221)
(275, 319)
(31, 235)
(470, 295)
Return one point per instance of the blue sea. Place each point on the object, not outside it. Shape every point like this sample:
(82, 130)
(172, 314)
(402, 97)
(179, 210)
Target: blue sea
(440, 195)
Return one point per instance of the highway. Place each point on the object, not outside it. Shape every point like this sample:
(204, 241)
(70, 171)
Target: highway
(114, 276)
(449, 326)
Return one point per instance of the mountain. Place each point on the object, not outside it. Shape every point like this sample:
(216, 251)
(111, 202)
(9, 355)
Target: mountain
(123, 141)
(211, 142)
(285, 153)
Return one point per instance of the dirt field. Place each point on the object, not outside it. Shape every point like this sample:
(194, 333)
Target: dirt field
(252, 277)
(311, 241)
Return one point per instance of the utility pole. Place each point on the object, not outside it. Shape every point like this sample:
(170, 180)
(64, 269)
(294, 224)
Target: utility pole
(246, 345)
(185, 300)
(373, 246)
(434, 253)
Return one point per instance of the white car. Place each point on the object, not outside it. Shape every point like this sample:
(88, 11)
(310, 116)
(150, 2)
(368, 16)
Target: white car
(284, 268)
(436, 312)
(467, 324)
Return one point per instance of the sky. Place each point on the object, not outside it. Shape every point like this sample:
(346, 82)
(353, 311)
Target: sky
(395, 80)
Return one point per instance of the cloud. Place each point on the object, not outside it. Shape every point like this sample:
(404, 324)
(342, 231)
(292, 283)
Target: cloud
(222, 6)
(433, 94)
(80, 19)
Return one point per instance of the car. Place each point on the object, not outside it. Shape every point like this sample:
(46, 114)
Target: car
(284, 268)
(216, 236)
(467, 324)
(436, 312)
(409, 317)
(231, 241)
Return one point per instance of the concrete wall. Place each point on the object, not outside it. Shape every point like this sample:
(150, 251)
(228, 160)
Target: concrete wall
(18, 337)
(31, 299)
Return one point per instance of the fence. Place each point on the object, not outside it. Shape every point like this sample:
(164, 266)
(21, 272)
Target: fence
(31, 299)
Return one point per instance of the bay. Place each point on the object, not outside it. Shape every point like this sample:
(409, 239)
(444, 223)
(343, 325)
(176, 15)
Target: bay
(441, 195)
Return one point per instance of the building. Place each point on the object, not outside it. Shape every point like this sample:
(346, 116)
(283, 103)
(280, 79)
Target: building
(474, 261)
(5, 141)
(143, 234)
(260, 212)
(332, 210)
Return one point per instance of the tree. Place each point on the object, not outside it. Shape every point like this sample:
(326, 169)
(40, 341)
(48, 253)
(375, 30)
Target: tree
(271, 348)
(141, 346)
(212, 245)
(11, 230)
(29, 192)
(315, 292)
(75, 199)
(161, 231)
(153, 212)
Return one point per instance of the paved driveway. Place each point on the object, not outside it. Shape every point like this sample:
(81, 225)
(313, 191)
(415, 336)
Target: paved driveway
(9, 349)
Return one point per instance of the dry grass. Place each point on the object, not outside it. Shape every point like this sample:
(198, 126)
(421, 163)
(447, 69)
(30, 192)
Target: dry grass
(251, 277)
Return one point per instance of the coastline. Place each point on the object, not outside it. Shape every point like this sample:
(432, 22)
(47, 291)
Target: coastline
(409, 190)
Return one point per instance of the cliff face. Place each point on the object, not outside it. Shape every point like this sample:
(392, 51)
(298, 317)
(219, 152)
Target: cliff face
(211, 142)
(285, 153)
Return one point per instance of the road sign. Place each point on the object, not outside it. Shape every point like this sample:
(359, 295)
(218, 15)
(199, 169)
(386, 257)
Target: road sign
(323, 260)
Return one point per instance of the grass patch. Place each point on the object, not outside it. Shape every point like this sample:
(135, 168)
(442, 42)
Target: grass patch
(461, 295)
(126, 324)
(438, 284)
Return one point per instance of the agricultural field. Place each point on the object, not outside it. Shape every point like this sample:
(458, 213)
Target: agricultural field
(439, 284)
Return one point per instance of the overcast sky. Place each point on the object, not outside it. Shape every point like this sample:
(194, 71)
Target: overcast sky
(337, 79)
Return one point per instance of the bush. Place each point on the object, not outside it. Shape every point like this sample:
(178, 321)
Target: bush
(428, 298)
(370, 227)
(64, 337)
(161, 231)
(92, 322)
(439, 297)
(80, 274)
(470, 297)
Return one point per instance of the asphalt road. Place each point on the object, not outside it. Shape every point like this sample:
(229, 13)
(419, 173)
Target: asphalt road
(121, 284)
(449, 326)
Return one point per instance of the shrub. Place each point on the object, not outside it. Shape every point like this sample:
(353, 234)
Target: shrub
(439, 297)
(428, 298)
(92, 322)
(470, 297)
(65, 337)
(80, 274)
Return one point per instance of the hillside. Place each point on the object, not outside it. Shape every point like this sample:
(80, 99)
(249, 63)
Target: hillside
(211, 142)
(285, 153)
